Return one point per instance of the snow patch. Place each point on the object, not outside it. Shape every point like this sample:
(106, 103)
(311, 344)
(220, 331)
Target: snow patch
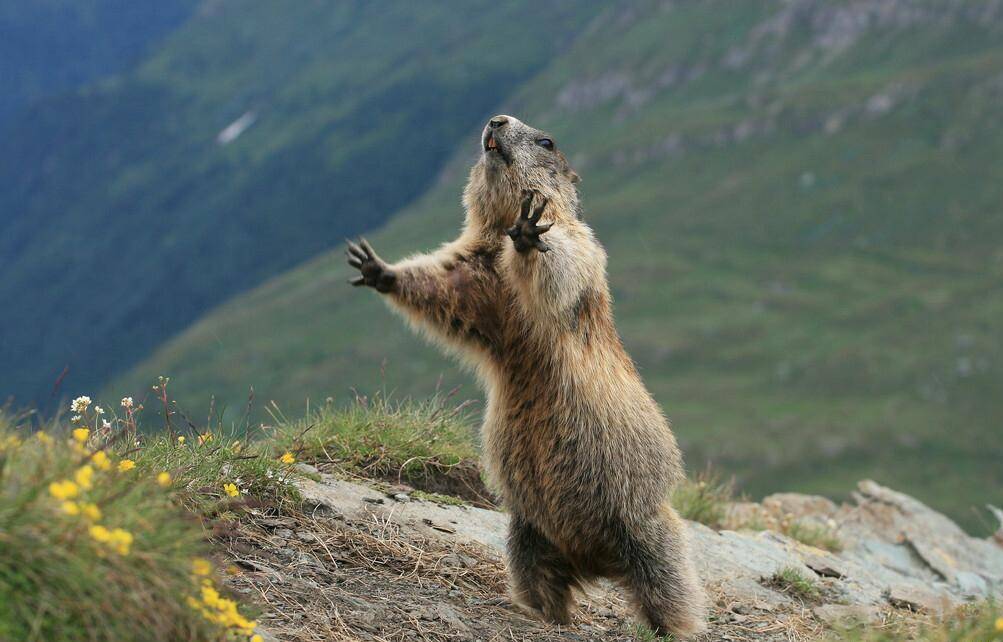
(236, 128)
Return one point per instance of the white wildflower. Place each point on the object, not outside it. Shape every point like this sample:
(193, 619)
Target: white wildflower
(106, 424)
(99, 410)
(127, 402)
(75, 418)
(80, 404)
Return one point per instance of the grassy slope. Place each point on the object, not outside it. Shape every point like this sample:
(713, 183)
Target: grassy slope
(55, 46)
(803, 242)
(120, 208)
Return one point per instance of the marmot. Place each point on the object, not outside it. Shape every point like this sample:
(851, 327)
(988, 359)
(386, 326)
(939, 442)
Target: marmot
(575, 446)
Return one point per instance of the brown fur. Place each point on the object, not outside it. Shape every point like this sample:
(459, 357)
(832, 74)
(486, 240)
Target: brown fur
(574, 444)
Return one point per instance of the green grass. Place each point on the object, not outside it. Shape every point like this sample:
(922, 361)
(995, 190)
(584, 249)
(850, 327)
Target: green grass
(703, 499)
(428, 444)
(795, 584)
(642, 633)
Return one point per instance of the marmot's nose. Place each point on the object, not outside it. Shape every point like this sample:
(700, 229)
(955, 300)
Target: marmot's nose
(497, 122)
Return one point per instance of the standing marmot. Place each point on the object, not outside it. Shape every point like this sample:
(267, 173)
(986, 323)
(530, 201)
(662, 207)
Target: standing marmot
(578, 450)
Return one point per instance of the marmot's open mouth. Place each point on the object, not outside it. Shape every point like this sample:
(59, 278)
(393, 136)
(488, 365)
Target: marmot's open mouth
(490, 144)
(492, 149)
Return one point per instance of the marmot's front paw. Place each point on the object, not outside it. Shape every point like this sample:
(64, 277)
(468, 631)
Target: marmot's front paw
(375, 272)
(526, 233)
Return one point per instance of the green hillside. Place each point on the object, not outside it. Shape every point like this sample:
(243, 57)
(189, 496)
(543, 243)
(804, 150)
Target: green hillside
(48, 47)
(801, 204)
(253, 137)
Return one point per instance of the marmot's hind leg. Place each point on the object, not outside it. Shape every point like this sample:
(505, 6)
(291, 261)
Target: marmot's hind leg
(661, 576)
(542, 578)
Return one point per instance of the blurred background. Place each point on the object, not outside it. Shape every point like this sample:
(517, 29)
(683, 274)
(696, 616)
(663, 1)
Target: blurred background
(801, 201)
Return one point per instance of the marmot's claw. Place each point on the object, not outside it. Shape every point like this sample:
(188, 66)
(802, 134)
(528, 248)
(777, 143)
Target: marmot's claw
(525, 234)
(375, 273)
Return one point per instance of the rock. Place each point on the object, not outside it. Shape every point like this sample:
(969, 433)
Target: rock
(918, 599)
(456, 523)
(890, 539)
(447, 614)
(825, 565)
(845, 616)
(938, 542)
(283, 533)
(307, 469)
(402, 497)
(798, 505)
(971, 584)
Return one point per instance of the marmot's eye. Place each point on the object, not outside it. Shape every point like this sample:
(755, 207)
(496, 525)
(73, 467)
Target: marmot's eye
(545, 143)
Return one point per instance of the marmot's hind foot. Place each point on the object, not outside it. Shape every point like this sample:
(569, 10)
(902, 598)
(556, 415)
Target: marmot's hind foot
(661, 576)
(542, 578)
(526, 233)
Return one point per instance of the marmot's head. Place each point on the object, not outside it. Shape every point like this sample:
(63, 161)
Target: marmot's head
(516, 157)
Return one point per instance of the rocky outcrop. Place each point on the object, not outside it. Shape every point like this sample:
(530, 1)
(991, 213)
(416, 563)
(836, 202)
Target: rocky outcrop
(897, 555)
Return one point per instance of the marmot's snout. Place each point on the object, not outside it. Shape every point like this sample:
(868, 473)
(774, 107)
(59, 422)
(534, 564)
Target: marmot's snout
(493, 138)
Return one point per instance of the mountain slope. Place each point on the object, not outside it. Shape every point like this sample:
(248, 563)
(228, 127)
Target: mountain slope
(256, 136)
(801, 207)
(52, 46)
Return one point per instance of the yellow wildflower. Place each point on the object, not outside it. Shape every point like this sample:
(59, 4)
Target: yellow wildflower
(99, 533)
(11, 442)
(287, 458)
(84, 476)
(64, 489)
(999, 624)
(204, 437)
(81, 434)
(164, 479)
(43, 437)
(71, 508)
(91, 511)
(231, 490)
(201, 567)
(126, 465)
(181, 439)
(236, 446)
(121, 540)
(100, 459)
(257, 638)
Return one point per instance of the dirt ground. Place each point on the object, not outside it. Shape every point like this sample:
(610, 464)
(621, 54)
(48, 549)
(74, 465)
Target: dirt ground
(326, 577)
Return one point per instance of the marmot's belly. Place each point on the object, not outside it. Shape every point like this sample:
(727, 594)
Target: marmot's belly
(570, 473)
